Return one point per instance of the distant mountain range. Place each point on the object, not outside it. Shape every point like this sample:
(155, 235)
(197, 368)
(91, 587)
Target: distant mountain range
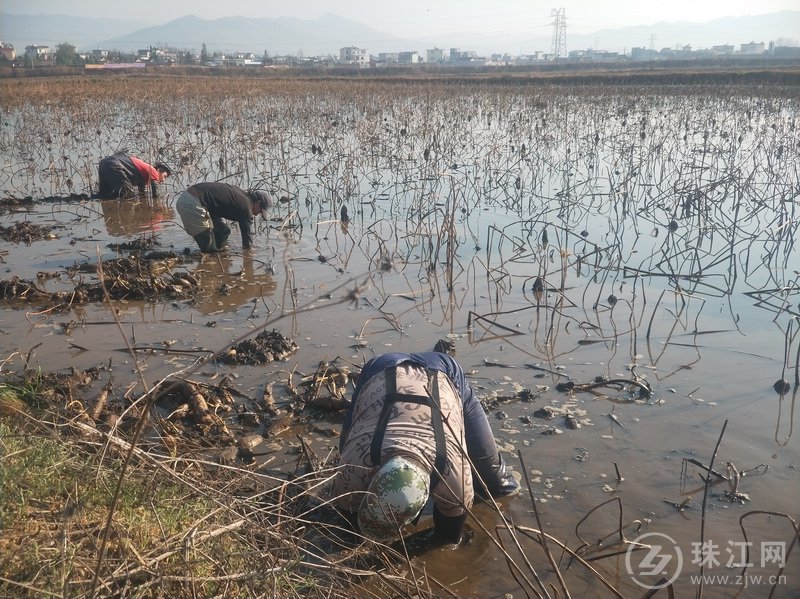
(50, 30)
(325, 35)
(278, 36)
(783, 26)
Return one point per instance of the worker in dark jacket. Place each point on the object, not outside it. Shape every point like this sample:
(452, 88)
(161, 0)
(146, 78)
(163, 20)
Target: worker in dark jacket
(122, 176)
(415, 430)
(203, 206)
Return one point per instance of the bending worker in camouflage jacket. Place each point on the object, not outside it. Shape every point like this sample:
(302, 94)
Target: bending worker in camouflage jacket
(411, 431)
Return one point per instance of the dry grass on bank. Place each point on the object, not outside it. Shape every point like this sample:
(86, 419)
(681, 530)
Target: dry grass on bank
(180, 527)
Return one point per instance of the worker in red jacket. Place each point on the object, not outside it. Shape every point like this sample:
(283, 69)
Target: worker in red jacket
(122, 176)
(203, 206)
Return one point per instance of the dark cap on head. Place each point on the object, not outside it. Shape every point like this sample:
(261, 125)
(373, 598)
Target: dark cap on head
(263, 199)
(160, 166)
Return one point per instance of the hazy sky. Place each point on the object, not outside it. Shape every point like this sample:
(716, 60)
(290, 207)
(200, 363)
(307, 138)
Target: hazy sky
(418, 18)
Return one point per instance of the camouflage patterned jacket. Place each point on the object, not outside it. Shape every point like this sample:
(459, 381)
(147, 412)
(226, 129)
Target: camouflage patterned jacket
(409, 433)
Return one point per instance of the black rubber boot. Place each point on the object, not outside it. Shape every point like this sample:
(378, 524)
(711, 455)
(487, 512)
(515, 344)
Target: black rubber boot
(206, 242)
(505, 483)
(448, 530)
(499, 478)
(221, 234)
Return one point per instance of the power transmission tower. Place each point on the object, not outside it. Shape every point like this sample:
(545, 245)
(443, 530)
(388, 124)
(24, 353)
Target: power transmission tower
(559, 32)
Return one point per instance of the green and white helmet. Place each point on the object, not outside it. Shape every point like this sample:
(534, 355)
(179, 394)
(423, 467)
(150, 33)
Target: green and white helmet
(396, 495)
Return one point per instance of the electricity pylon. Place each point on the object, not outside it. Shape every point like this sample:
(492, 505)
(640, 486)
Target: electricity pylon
(559, 32)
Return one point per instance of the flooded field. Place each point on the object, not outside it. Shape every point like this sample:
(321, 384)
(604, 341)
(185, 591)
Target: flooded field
(616, 268)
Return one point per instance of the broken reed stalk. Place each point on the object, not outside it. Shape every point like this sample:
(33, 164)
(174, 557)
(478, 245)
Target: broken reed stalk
(797, 369)
(100, 404)
(30, 354)
(706, 486)
(789, 433)
(620, 526)
(541, 534)
(659, 585)
(251, 505)
(545, 546)
(795, 540)
(143, 417)
(703, 466)
(787, 351)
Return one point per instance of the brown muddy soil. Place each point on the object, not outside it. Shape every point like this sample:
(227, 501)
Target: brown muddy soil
(151, 277)
(25, 232)
(265, 347)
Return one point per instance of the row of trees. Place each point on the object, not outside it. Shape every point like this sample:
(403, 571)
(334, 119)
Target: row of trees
(67, 55)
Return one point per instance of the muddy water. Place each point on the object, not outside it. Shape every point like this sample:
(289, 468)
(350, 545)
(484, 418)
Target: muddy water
(666, 253)
(699, 383)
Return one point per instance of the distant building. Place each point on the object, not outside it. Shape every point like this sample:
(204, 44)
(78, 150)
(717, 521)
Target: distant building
(752, 48)
(722, 50)
(435, 55)
(786, 52)
(41, 53)
(594, 56)
(410, 57)
(538, 56)
(353, 55)
(677, 52)
(386, 58)
(465, 58)
(238, 59)
(157, 56)
(98, 56)
(644, 54)
(8, 51)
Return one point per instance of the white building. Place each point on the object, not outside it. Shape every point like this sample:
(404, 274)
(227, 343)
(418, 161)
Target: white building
(435, 55)
(722, 49)
(753, 48)
(99, 56)
(40, 52)
(353, 55)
